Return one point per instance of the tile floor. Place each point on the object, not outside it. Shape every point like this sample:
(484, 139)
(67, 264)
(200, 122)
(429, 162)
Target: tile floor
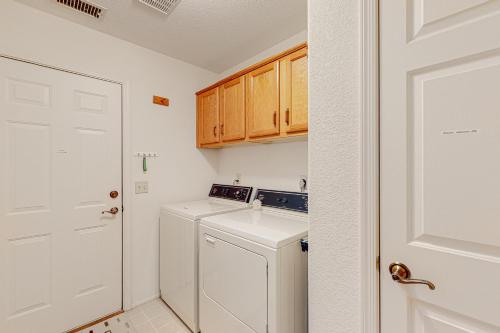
(152, 317)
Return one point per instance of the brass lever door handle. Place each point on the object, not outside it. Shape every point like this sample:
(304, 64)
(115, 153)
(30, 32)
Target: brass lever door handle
(401, 274)
(112, 211)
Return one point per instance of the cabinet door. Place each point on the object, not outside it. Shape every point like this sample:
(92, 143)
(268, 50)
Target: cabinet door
(232, 110)
(294, 92)
(208, 117)
(263, 101)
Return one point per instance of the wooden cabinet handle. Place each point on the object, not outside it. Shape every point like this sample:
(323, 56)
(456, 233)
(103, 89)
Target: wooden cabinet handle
(215, 130)
(287, 116)
(274, 118)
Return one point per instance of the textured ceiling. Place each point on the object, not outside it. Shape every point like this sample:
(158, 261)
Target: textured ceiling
(213, 34)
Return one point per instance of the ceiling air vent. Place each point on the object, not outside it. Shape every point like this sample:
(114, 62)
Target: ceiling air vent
(164, 6)
(83, 7)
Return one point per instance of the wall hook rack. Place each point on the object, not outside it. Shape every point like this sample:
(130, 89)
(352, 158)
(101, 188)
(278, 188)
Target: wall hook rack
(145, 156)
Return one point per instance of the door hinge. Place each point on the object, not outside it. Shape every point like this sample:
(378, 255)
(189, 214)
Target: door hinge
(378, 263)
(123, 209)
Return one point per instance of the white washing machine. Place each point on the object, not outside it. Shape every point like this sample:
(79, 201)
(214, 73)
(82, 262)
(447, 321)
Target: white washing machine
(253, 267)
(179, 246)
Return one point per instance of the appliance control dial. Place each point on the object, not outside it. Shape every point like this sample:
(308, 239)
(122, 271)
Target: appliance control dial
(295, 201)
(237, 193)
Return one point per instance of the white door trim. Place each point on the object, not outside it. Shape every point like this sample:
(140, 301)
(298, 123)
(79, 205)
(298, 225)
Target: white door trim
(369, 49)
(126, 177)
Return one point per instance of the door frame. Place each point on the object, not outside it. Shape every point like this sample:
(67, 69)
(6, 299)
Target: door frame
(127, 301)
(370, 166)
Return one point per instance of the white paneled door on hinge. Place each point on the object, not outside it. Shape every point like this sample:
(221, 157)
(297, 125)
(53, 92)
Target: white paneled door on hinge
(440, 164)
(60, 142)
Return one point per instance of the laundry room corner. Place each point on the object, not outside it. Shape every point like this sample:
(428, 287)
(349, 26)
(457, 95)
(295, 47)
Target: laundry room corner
(257, 166)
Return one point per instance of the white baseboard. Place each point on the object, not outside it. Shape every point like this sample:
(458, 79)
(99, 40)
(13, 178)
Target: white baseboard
(145, 300)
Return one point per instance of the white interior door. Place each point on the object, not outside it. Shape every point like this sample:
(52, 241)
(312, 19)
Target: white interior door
(60, 142)
(440, 164)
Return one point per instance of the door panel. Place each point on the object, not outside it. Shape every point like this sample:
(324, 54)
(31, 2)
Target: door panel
(28, 257)
(449, 130)
(90, 243)
(29, 93)
(428, 16)
(208, 117)
(263, 101)
(294, 92)
(60, 258)
(29, 168)
(232, 101)
(440, 186)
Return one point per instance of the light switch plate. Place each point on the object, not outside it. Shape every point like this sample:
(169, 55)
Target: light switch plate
(141, 187)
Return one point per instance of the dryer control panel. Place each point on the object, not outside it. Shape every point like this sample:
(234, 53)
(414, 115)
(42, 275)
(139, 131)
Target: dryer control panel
(296, 201)
(231, 192)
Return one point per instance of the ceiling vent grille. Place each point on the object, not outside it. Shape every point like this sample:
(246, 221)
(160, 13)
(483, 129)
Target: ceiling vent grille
(83, 7)
(164, 6)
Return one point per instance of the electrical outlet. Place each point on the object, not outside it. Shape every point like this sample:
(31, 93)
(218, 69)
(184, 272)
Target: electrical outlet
(237, 179)
(141, 187)
(303, 183)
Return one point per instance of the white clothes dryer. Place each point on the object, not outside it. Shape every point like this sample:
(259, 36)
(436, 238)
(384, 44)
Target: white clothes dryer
(253, 267)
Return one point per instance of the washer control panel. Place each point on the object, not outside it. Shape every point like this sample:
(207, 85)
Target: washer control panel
(230, 192)
(296, 201)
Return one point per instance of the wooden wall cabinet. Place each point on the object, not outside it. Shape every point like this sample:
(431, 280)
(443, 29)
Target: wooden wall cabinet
(265, 102)
(294, 92)
(232, 110)
(208, 118)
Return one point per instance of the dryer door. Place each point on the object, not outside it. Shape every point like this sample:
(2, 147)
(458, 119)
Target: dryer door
(233, 287)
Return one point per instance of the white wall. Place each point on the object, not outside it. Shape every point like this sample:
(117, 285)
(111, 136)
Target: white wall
(295, 40)
(334, 166)
(181, 172)
(272, 166)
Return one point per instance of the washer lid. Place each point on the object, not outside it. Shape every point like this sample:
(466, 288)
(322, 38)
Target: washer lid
(198, 209)
(267, 228)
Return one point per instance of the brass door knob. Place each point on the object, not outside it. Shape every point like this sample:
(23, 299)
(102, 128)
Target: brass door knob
(112, 211)
(401, 274)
